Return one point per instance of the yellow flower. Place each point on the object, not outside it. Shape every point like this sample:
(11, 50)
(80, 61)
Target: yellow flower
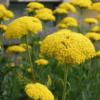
(42, 62)
(45, 16)
(93, 36)
(91, 21)
(67, 47)
(60, 11)
(98, 17)
(3, 27)
(25, 46)
(95, 29)
(44, 10)
(95, 6)
(15, 49)
(23, 26)
(82, 3)
(97, 54)
(38, 91)
(67, 22)
(34, 6)
(68, 7)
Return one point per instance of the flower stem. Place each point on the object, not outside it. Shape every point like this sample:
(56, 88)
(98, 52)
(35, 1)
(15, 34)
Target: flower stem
(65, 83)
(30, 60)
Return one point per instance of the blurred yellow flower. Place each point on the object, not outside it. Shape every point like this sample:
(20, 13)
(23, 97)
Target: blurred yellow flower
(32, 6)
(67, 47)
(95, 6)
(23, 26)
(25, 46)
(3, 27)
(42, 62)
(15, 49)
(45, 16)
(38, 91)
(93, 36)
(67, 22)
(82, 3)
(95, 29)
(97, 54)
(68, 7)
(60, 11)
(29, 70)
(98, 17)
(44, 10)
(91, 20)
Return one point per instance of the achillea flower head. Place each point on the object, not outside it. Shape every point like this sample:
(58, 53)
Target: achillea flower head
(82, 3)
(67, 47)
(23, 26)
(91, 20)
(95, 29)
(15, 49)
(93, 36)
(68, 7)
(3, 27)
(38, 91)
(41, 62)
(32, 6)
(68, 22)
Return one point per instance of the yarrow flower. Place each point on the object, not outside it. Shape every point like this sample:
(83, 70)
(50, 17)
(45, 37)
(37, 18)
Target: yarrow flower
(91, 20)
(32, 6)
(68, 7)
(24, 45)
(67, 22)
(15, 49)
(97, 54)
(82, 3)
(23, 26)
(95, 29)
(5, 14)
(67, 47)
(38, 91)
(93, 36)
(41, 62)
(3, 27)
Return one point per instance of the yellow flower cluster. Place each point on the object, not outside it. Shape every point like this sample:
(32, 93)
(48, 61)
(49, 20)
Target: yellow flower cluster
(67, 47)
(32, 6)
(3, 27)
(5, 14)
(93, 36)
(91, 20)
(25, 46)
(95, 6)
(45, 14)
(38, 91)
(15, 49)
(97, 54)
(82, 3)
(68, 7)
(95, 29)
(41, 62)
(23, 26)
(60, 11)
(67, 22)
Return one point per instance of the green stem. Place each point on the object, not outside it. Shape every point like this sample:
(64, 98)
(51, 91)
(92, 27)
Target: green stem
(65, 83)
(30, 60)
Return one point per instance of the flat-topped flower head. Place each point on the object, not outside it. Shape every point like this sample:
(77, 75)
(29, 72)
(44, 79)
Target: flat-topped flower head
(38, 91)
(3, 27)
(93, 36)
(67, 47)
(23, 26)
(82, 3)
(91, 21)
(95, 29)
(68, 7)
(32, 6)
(68, 22)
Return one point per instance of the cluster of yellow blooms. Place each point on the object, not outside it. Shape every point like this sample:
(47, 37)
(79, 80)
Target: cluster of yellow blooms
(23, 26)
(97, 54)
(91, 21)
(5, 14)
(41, 62)
(93, 36)
(82, 3)
(3, 27)
(15, 49)
(38, 91)
(68, 47)
(32, 6)
(68, 22)
(95, 29)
